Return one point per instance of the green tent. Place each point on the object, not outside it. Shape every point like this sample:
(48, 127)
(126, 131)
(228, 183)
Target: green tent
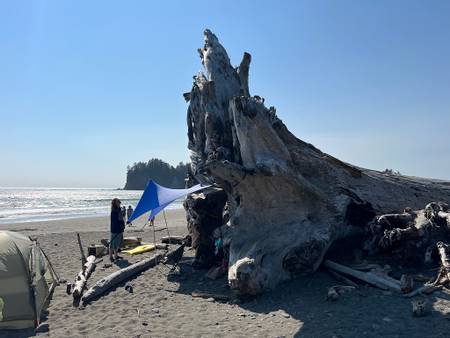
(27, 280)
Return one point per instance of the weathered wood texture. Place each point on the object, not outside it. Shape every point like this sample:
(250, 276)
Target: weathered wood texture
(204, 213)
(82, 277)
(119, 276)
(288, 200)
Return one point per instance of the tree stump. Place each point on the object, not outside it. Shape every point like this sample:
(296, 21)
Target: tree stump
(204, 214)
(288, 201)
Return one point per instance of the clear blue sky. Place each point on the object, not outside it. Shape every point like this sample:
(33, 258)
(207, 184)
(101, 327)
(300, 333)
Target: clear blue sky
(88, 87)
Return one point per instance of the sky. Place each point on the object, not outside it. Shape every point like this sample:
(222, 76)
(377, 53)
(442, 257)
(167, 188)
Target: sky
(89, 87)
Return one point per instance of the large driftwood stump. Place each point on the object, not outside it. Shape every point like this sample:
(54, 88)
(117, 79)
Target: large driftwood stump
(288, 200)
(204, 214)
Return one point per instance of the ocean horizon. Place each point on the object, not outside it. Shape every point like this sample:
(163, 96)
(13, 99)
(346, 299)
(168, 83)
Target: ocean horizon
(28, 204)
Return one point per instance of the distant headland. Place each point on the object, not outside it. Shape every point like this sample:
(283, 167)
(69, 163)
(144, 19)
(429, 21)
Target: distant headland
(162, 172)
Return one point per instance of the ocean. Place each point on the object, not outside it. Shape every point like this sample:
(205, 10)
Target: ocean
(45, 204)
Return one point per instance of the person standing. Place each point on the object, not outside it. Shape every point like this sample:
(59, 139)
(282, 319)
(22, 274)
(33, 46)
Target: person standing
(124, 212)
(117, 228)
(129, 212)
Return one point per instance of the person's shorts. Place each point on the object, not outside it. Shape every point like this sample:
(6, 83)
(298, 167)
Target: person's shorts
(116, 240)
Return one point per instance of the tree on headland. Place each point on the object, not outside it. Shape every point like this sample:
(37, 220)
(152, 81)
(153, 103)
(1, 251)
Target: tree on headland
(162, 172)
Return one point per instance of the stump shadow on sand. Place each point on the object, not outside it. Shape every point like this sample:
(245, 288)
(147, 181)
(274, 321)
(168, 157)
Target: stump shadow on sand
(365, 312)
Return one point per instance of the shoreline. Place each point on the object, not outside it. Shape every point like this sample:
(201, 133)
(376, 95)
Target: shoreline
(176, 218)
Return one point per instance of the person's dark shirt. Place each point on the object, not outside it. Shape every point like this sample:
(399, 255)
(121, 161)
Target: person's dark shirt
(117, 221)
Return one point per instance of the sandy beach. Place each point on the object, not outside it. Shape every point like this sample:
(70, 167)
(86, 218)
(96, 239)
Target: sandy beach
(163, 306)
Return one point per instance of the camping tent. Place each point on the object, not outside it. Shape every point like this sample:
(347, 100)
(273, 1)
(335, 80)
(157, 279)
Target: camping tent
(26, 281)
(157, 197)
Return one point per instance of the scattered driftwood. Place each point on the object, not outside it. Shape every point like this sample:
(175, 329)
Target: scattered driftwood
(82, 277)
(173, 257)
(288, 201)
(341, 278)
(427, 288)
(381, 281)
(83, 256)
(173, 239)
(418, 229)
(336, 291)
(119, 276)
(162, 246)
(419, 307)
(207, 295)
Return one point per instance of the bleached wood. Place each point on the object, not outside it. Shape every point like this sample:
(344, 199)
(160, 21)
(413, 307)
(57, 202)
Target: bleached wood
(288, 200)
(83, 276)
(375, 279)
(119, 276)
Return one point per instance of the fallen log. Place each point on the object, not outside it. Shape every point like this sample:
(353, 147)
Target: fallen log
(119, 276)
(173, 239)
(372, 278)
(342, 278)
(426, 288)
(82, 277)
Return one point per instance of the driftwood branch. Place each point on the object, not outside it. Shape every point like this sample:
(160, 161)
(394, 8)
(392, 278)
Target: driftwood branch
(83, 256)
(382, 282)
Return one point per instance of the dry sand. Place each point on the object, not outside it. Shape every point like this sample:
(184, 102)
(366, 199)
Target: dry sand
(162, 305)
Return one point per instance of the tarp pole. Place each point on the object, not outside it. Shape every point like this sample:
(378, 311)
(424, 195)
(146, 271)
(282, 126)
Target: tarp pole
(165, 220)
(154, 232)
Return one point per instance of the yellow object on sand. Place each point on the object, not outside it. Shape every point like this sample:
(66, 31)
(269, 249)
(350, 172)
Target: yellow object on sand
(140, 249)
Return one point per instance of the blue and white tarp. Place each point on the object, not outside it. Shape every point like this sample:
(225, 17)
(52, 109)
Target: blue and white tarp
(156, 197)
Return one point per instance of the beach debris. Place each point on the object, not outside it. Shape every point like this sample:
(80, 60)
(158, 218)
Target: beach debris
(162, 246)
(82, 277)
(209, 295)
(341, 278)
(406, 283)
(334, 292)
(69, 287)
(119, 276)
(174, 257)
(42, 328)
(217, 271)
(173, 239)
(444, 272)
(83, 256)
(427, 288)
(129, 287)
(97, 250)
(377, 279)
(419, 307)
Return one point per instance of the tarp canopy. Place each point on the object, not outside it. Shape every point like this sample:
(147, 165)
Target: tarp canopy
(157, 197)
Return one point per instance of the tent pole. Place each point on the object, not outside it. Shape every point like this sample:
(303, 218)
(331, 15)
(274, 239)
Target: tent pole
(165, 220)
(154, 232)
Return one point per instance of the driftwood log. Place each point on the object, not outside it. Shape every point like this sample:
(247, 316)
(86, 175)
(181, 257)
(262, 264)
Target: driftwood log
(410, 237)
(288, 201)
(382, 281)
(119, 276)
(82, 277)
